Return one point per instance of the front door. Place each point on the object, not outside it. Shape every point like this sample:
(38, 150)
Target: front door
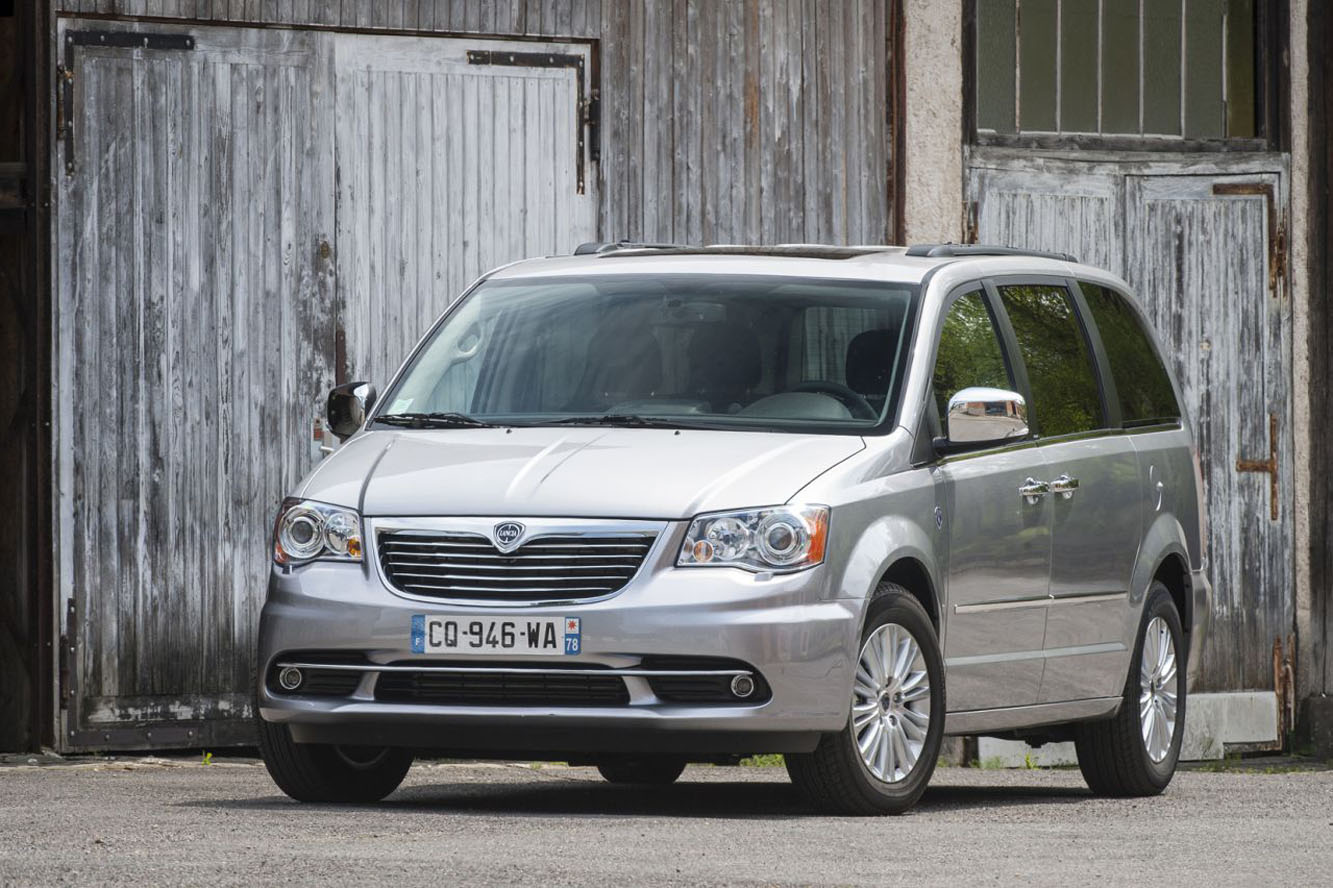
(243, 216)
(999, 540)
(195, 195)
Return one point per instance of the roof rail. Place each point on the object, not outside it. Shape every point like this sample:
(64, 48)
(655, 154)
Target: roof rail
(936, 251)
(592, 247)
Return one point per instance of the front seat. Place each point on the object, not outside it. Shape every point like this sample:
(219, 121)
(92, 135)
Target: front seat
(870, 359)
(624, 363)
(725, 365)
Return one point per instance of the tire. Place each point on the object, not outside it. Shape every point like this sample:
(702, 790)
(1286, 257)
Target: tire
(655, 770)
(310, 772)
(836, 777)
(1114, 755)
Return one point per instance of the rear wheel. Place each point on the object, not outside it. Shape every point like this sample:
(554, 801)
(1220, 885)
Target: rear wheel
(1135, 753)
(882, 759)
(313, 772)
(656, 770)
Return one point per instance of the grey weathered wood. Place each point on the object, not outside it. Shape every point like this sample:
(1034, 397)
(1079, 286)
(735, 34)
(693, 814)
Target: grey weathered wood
(192, 350)
(445, 170)
(1198, 262)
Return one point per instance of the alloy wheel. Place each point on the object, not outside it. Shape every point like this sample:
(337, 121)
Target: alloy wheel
(890, 703)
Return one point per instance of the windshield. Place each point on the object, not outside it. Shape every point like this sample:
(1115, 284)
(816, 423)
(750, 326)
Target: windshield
(743, 352)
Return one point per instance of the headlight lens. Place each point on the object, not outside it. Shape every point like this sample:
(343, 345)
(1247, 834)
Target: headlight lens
(783, 538)
(306, 530)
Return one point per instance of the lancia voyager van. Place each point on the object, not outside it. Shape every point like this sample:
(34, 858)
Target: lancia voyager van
(644, 506)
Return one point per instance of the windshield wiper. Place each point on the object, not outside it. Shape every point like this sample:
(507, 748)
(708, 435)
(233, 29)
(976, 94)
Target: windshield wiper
(623, 420)
(434, 421)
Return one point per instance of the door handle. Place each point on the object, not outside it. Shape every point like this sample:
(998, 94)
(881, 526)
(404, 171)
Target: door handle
(1033, 490)
(1065, 486)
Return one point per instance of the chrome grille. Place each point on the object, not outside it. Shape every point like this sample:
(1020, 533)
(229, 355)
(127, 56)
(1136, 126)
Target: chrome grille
(468, 566)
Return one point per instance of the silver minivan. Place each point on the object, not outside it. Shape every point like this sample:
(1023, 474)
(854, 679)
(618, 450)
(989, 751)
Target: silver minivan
(649, 505)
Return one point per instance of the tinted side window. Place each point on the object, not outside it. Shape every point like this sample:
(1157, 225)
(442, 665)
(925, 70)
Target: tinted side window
(1060, 368)
(1143, 387)
(969, 352)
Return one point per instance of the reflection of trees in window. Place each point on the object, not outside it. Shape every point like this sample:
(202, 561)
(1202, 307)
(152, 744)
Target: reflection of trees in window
(1142, 385)
(1060, 369)
(969, 352)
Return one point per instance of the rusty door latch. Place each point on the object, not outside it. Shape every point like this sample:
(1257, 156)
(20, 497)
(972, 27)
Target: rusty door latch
(1268, 466)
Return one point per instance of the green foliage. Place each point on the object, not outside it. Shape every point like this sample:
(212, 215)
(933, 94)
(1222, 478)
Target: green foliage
(969, 352)
(771, 760)
(208, 758)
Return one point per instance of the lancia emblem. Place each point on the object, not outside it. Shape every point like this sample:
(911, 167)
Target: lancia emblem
(507, 534)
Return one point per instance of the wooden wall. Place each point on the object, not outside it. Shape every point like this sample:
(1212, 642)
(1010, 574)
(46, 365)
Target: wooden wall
(736, 121)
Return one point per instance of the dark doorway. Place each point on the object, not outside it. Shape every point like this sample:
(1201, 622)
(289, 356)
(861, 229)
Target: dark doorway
(26, 624)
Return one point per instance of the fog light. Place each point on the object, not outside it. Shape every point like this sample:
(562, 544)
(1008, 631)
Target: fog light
(290, 678)
(742, 685)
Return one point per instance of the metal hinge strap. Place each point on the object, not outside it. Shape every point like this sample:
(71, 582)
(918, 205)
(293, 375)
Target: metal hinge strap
(588, 109)
(1267, 466)
(1277, 227)
(65, 72)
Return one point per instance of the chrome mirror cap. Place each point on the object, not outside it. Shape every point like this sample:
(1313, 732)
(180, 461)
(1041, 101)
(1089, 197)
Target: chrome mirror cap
(981, 415)
(347, 408)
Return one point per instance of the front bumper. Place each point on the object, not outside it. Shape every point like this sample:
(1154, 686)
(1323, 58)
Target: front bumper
(784, 626)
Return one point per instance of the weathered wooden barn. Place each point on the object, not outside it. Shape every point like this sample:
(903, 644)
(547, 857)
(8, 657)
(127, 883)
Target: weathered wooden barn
(211, 212)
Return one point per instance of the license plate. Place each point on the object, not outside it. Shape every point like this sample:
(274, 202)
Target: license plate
(485, 635)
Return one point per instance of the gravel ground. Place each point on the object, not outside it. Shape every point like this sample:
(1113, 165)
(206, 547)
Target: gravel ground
(174, 821)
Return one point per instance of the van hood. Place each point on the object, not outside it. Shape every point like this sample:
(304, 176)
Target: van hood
(660, 474)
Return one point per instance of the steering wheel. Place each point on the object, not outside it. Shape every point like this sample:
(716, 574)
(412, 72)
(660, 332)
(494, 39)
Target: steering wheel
(857, 405)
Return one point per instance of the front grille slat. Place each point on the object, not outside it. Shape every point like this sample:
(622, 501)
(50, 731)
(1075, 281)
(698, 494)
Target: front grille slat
(544, 688)
(468, 566)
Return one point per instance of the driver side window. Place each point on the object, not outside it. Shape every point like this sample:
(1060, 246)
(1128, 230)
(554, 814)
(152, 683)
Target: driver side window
(969, 351)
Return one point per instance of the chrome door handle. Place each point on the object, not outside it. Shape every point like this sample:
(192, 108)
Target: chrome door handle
(1065, 486)
(1033, 490)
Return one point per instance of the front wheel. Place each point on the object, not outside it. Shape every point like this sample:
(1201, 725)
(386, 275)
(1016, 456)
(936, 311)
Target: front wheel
(882, 759)
(1135, 753)
(313, 772)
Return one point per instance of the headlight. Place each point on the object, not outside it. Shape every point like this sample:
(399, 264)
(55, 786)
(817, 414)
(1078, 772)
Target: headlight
(783, 538)
(307, 530)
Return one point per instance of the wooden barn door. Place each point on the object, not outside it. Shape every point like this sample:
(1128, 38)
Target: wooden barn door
(194, 343)
(454, 157)
(1206, 263)
(1204, 256)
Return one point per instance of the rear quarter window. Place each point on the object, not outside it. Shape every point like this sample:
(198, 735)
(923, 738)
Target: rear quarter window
(1143, 387)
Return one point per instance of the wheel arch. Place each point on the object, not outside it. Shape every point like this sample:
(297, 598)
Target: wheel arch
(1164, 556)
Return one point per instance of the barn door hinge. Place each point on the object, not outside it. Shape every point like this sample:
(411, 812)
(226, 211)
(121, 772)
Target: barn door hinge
(969, 221)
(1277, 227)
(65, 72)
(67, 656)
(1267, 466)
(588, 111)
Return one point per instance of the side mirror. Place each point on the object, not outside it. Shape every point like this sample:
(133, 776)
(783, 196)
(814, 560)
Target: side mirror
(347, 408)
(985, 416)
